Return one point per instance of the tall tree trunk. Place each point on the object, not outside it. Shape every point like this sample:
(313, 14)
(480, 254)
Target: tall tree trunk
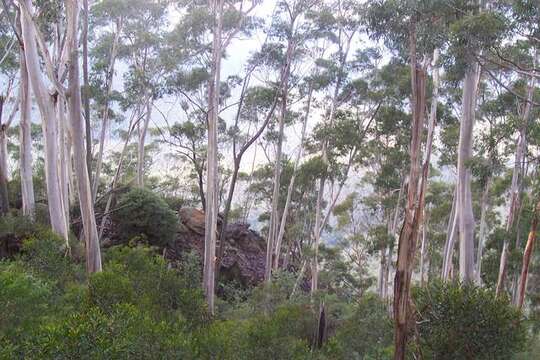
(423, 250)
(4, 197)
(515, 198)
(413, 212)
(427, 156)
(465, 147)
(86, 86)
(484, 205)
(451, 234)
(527, 257)
(395, 235)
(299, 154)
(317, 238)
(65, 156)
(45, 103)
(140, 144)
(274, 215)
(25, 138)
(212, 206)
(93, 253)
(105, 120)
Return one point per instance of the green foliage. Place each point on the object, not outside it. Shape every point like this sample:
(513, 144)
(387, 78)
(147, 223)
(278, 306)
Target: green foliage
(45, 254)
(124, 332)
(138, 275)
(460, 321)
(23, 299)
(367, 334)
(143, 214)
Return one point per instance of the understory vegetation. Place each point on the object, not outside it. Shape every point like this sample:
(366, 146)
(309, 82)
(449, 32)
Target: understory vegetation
(138, 307)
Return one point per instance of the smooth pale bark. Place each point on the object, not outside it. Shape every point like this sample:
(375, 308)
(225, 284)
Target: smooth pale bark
(299, 155)
(63, 162)
(142, 138)
(105, 119)
(522, 288)
(395, 235)
(212, 174)
(317, 238)
(515, 198)
(413, 211)
(464, 208)
(427, 156)
(274, 214)
(25, 139)
(93, 253)
(4, 197)
(45, 103)
(86, 86)
(484, 205)
(451, 234)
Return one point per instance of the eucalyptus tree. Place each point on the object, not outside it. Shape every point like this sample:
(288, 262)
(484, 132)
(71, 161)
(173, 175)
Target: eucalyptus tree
(338, 22)
(408, 28)
(289, 33)
(517, 175)
(9, 38)
(142, 32)
(32, 37)
(107, 20)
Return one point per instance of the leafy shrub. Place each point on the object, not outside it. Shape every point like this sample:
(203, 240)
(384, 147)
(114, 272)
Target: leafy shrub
(23, 300)
(282, 335)
(109, 288)
(367, 334)
(45, 254)
(143, 214)
(165, 292)
(462, 321)
(123, 333)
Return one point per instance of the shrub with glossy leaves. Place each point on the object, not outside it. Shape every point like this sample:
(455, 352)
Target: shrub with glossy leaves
(462, 321)
(144, 215)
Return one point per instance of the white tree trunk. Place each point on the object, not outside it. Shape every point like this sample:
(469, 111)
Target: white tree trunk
(63, 163)
(521, 144)
(299, 155)
(465, 148)
(93, 253)
(451, 234)
(212, 189)
(274, 214)
(142, 138)
(25, 138)
(484, 205)
(49, 122)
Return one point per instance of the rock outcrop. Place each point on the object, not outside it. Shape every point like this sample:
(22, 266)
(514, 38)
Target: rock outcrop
(244, 252)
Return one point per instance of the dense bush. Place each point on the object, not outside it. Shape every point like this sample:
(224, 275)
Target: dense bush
(152, 285)
(367, 334)
(141, 213)
(462, 321)
(23, 300)
(123, 333)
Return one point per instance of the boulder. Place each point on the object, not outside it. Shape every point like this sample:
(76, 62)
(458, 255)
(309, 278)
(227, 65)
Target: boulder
(244, 253)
